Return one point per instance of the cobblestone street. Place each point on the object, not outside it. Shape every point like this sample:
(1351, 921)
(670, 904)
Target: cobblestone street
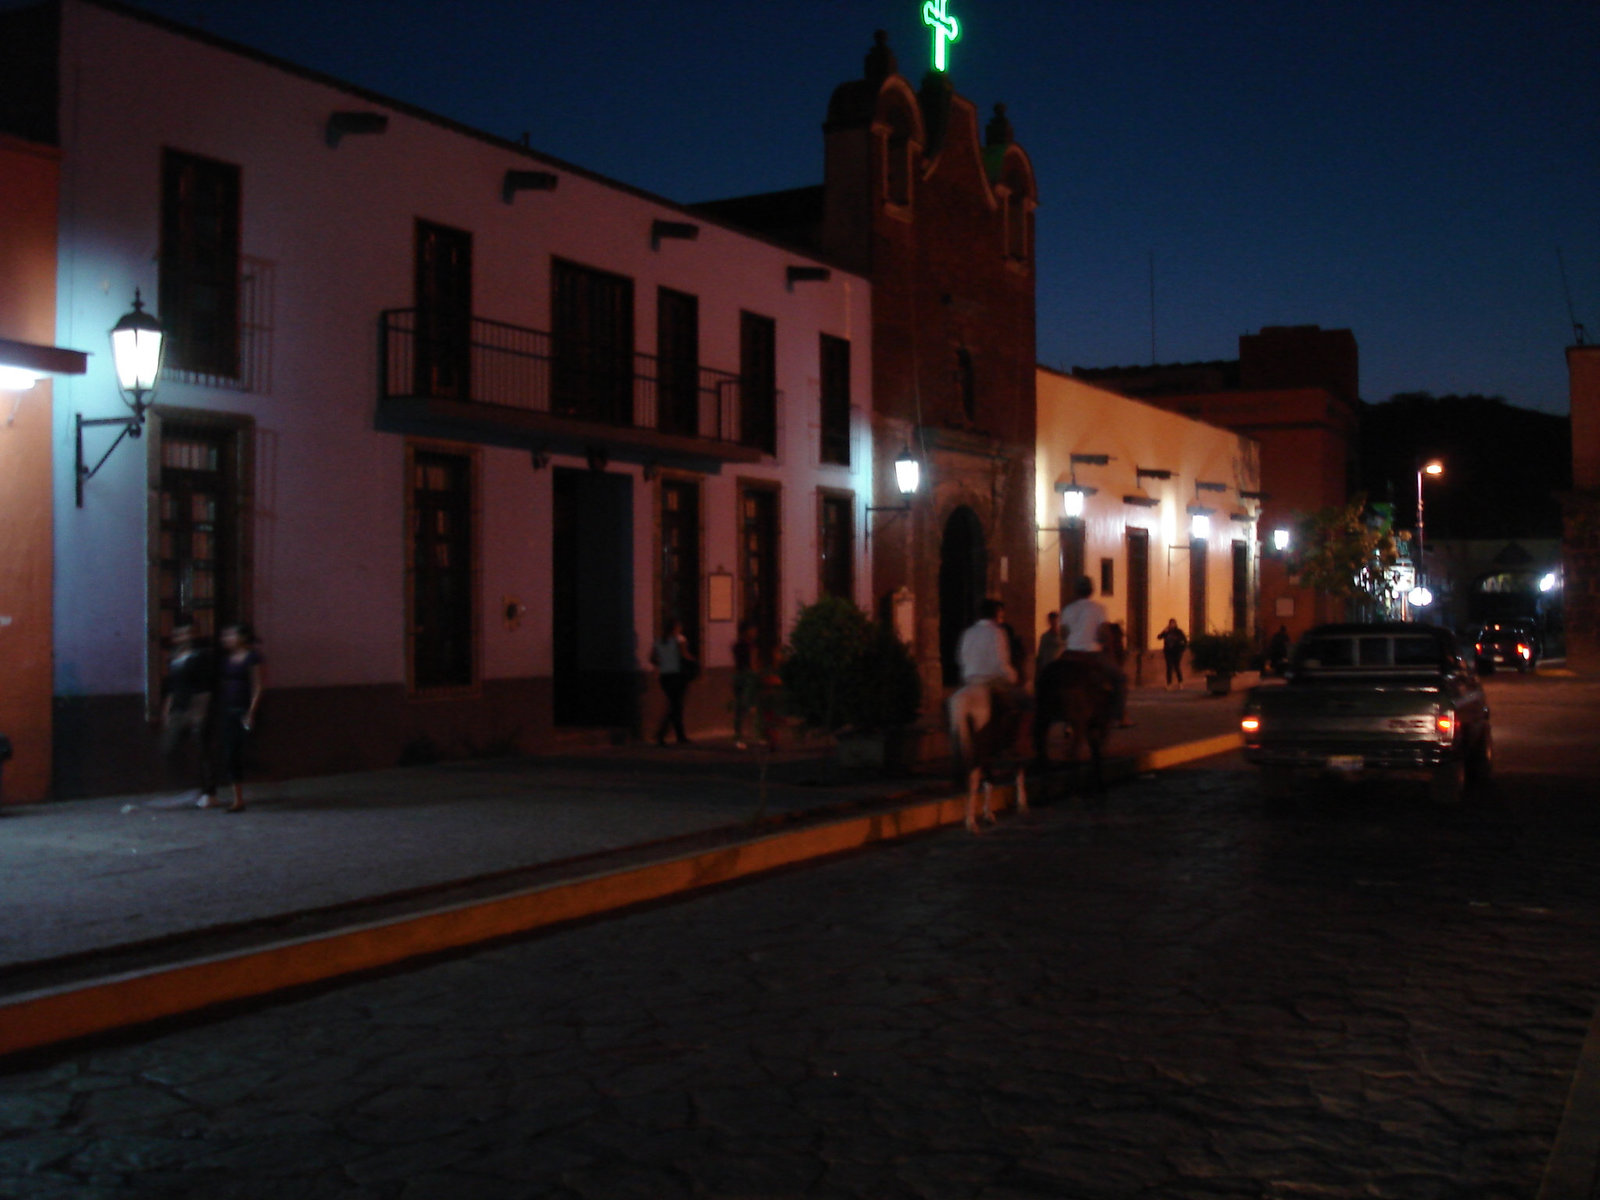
(1167, 993)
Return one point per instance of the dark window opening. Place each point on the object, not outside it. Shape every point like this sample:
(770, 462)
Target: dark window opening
(443, 289)
(966, 384)
(758, 550)
(199, 276)
(677, 362)
(680, 558)
(441, 591)
(591, 344)
(835, 400)
(758, 382)
(836, 542)
(199, 569)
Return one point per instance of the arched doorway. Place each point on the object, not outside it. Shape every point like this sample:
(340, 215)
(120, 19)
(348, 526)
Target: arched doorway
(963, 571)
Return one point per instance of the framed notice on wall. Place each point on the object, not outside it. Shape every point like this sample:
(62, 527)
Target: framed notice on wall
(719, 596)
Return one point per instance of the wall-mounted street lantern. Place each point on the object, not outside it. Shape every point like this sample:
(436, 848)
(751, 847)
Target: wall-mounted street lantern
(1199, 525)
(1074, 495)
(1280, 540)
(907, 479)
(136, 344)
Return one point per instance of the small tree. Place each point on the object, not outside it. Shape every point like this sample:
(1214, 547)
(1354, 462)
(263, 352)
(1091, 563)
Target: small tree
(841, 670)
(1346, 552)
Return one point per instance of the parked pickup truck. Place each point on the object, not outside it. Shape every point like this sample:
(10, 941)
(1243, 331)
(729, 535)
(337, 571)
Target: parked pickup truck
(1390, 697)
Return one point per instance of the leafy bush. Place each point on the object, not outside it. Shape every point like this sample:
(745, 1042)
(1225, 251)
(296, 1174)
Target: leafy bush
(1219, 653)
(841, 670)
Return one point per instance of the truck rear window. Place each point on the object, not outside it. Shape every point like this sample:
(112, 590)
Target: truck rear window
(1347, 651)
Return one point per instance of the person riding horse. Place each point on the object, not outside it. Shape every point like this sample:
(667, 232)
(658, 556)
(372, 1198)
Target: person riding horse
(986, 713)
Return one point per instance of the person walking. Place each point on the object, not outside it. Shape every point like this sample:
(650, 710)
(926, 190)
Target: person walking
(746, 677)
(186, 714)
(239, 696)
(1050, 644)
(675, 667)
(1173, 643)
(1278, 652)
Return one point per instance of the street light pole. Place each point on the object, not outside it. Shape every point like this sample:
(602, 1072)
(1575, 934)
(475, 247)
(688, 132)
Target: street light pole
(1435, 468)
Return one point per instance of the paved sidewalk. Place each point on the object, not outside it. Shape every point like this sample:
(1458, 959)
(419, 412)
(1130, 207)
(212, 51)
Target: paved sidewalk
(85, 878)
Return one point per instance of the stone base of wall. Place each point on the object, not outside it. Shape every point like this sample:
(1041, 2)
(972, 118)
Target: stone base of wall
(105, 746)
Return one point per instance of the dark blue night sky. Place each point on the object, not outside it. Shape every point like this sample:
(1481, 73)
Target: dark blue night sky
(1405, 169)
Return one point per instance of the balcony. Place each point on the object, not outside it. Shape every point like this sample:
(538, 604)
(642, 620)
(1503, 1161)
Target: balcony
(486, 381)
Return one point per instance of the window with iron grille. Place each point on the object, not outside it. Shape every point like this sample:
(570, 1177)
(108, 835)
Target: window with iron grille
(199, 568)
(440, 499)
(199, 288)
(835, 400)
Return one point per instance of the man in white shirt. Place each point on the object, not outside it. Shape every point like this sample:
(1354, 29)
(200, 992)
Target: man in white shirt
(984, 652)
(1083, 624)
(1081, 620)
(984, 656)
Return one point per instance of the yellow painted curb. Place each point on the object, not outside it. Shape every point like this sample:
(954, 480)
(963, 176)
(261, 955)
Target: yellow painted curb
(1171, 756)
(54, 1015)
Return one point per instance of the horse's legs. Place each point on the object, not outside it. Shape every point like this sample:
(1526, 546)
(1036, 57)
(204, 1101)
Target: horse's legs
(974, 779)
(1022, 789)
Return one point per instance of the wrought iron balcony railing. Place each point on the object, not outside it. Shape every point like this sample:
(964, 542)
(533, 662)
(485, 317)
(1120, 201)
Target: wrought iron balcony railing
(490, 363)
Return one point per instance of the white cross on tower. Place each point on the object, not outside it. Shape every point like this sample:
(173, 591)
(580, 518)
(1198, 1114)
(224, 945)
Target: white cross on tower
(945, 29)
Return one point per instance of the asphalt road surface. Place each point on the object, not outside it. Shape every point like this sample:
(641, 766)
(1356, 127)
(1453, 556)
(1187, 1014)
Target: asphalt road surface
(1170, 992)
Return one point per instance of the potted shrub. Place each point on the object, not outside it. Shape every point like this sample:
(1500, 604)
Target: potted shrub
(1219, 656)
(845, 675)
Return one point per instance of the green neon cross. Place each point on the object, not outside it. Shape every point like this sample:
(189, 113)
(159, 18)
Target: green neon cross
(945, 29)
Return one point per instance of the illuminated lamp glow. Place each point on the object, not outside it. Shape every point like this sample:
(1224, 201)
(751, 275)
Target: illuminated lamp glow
(136, 349)
(17, 379)
(1280, 539)
(1250, 724)
(1199, 527)
(1420, 597)
(1548, 582)
(1072, 502)
(935, 14)
(907, 473)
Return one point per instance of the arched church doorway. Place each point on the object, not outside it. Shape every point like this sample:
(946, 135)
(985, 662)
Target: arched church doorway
(963, 570)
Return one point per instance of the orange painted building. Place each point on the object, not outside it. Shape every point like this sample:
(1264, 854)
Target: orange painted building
(1295, 390)
(27, 334)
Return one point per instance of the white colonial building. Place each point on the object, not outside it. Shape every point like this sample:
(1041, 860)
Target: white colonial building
(456, 426)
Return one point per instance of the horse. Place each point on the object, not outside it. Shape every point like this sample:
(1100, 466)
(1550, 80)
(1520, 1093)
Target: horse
(1077, 692)
(978, 740)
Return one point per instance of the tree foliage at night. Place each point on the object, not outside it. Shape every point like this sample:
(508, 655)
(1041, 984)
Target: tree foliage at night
(1345, 551)
(843, 670)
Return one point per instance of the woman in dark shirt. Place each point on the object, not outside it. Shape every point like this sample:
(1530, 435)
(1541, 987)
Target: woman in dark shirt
(239, 695)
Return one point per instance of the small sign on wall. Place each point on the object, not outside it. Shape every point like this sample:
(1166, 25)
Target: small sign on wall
(905, 616)
(719, 596)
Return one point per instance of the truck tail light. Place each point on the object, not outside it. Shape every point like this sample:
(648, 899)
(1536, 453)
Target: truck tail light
(1250, 723)
(1523, 650)
(1445, 723)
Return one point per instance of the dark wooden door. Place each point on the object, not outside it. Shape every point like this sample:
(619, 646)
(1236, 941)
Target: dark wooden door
(444, 312)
